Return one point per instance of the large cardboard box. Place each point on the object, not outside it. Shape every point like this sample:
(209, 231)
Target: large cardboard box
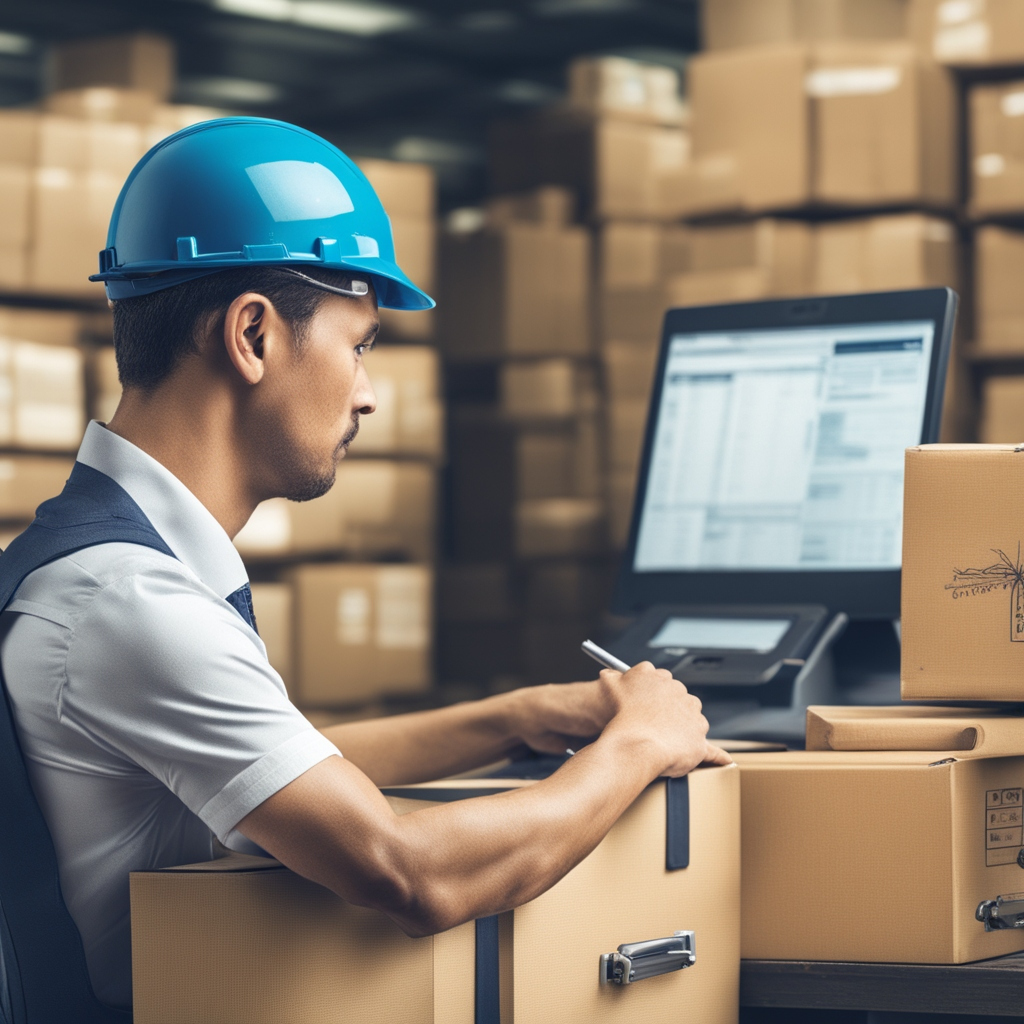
(619, 167)
(104, 386)
(103, 103)
(998, 297)
(907, 250)
(139, 60)
(71, 212)
(835, 125)
(966, 33)
(42, 395)
(415, 241)
(15, 222)
(548, 204)
(376, 508)
(19, 137)
(409, 418)
(879, 841)
(547, 389)
(997, 148)
(734, 23)
(762, 259)
(49, 326)
(360, 632)
(1002, 410)
(26, 481)
(963, 603)
(405, 189)
(625, 88)
(244, 940)
(521, 290)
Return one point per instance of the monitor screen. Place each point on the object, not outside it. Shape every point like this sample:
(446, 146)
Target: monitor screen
(782, 449)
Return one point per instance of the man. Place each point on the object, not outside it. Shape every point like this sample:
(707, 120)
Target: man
(245, 263)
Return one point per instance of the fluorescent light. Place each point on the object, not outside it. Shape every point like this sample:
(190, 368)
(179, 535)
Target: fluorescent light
(359, 19)
(521, 90)
(14, 44)
(420, 149)
(561, 8)
(231, 90)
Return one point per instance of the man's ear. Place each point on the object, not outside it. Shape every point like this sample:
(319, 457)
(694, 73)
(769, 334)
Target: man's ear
(245, 324)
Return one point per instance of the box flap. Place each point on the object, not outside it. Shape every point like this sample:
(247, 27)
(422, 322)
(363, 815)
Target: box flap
(967, 732)
(232, 862)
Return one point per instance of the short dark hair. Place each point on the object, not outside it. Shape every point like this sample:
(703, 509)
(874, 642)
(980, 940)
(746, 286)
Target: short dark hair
(153, 332)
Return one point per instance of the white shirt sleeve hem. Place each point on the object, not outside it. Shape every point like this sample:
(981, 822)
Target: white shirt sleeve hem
(262, 779)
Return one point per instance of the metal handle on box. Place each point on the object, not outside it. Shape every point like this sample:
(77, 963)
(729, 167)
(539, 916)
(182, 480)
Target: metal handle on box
(635, 961)
(1002, 912)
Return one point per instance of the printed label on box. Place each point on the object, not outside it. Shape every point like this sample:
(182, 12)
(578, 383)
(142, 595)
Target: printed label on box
(1004, 826)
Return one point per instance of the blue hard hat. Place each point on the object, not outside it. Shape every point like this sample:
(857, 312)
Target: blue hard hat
(246, 192)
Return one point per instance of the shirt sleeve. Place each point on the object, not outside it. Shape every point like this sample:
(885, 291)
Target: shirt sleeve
(163, 672)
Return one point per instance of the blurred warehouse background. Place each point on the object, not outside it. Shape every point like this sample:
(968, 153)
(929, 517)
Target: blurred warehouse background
(557, 174)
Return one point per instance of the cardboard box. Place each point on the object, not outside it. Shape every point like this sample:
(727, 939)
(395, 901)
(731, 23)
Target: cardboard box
(244, 940)
(999, 300)
(727, 24)
(1002, 410)
(26, 481)
(968, 33)
(560, 527)
(19, 137)
(103, 384)
(906, 811)
(997, 148)
(626, 425)
(138, 60)
(618, 167)
(835, 125)
(621, 495)
(15, 213)
(407, 190)
(71, 212)
(273, 605)
(48, 326)
(628, 370)
(42, 396)
(621, 87)
(547, 389)
(86, 146)
(409, 418)
(548, 204)
(360, 632)
(100, 103)
(763, 259)
(908, 250)
(377, 508)
(522, 290)
(962, 604)
(416, 252)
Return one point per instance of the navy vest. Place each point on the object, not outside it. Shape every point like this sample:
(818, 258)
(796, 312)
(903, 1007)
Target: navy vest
(44, 963)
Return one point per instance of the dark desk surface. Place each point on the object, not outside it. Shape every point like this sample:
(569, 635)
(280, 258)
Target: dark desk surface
(990, 987)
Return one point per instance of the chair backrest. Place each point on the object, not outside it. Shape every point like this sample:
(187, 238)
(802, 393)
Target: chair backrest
(43, 959)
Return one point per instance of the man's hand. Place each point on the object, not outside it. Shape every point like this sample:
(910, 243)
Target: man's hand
(645, 701)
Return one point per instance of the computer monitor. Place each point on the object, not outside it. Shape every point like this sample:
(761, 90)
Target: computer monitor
(772, 468)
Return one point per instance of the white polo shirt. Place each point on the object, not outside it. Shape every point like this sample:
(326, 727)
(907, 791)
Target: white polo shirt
(148, 714)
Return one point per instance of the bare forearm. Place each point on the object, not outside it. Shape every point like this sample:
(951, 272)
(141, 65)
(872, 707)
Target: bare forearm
(429, 745)
(489, 854)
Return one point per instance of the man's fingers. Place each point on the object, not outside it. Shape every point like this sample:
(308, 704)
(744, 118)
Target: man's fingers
(716, 755)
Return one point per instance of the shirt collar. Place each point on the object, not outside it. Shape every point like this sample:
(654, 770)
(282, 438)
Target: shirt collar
(185, 523)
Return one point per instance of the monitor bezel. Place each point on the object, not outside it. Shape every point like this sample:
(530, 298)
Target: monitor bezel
(863, 594)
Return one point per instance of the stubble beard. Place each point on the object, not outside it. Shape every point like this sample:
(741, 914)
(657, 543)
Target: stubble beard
(316, 483)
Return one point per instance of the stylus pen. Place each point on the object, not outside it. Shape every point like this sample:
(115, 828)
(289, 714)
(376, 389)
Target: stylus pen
(600, 655)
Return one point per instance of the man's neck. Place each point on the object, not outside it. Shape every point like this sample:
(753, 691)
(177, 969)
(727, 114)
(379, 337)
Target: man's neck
(196, 441)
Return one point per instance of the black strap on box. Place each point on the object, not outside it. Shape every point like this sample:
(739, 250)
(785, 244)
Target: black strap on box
(487, 987)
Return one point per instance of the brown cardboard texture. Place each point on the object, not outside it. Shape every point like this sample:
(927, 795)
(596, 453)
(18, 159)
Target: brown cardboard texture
(519, 290)
(999, 299)
(137, 60)
(625, 88)
(546, 389)
(997, 148)
(244, 941)
(845, 125)
(272, 603)
(886, 824)
(549, 204)
(360, 632)
(1002, 410)
(404, 189)
(966, 34)
(26, 481)
(963, 599)
(734, 23)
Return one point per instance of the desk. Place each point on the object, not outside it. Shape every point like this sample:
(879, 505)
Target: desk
(993, 988)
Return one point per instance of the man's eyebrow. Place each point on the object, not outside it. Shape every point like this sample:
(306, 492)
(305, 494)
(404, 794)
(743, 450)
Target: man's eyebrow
(370, 337)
